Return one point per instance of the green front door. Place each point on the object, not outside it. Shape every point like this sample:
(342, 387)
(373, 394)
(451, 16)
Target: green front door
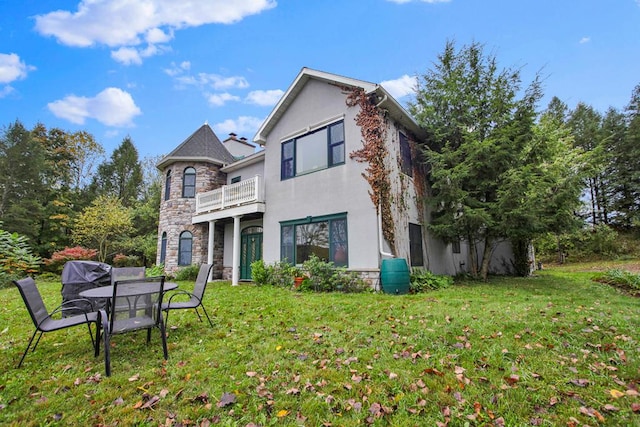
(250, 250)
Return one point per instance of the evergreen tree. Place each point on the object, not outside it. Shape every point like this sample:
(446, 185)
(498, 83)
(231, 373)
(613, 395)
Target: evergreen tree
(22, 188)
(486, 154)
(585, 124)
(628, 165)
(121, 176)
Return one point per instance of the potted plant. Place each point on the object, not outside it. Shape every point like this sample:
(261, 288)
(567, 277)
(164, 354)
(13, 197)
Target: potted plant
(298, 277)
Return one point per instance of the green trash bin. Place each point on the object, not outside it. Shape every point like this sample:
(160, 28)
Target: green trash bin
(395, 276)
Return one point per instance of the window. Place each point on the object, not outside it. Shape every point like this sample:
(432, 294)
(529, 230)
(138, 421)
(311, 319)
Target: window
(313, 151)
(185, 248)
(325, 237)
(167, 186)
(189, 183)
(415, 245)
(455, 246)
(163, 247)
(235, 179)
(405, 155)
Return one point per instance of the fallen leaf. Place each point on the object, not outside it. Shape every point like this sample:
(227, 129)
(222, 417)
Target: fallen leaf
(150, 403)
(282, 413)
(136, 377)
(226, 399)
(580, 382)
(616, 394)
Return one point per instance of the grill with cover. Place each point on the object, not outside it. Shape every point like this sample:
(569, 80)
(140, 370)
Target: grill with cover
(78, 276)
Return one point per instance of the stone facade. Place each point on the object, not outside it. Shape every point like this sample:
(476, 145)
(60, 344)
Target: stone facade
(175, 215)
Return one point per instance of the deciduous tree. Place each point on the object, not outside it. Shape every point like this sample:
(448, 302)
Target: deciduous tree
(102, 223)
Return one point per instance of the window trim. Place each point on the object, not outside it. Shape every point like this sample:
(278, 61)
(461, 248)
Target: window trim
(167, 185)
(163, 247)
(403, 141)
(184, 181)
(313, 220)
(181, 249)
(330, 145)
(414, 250)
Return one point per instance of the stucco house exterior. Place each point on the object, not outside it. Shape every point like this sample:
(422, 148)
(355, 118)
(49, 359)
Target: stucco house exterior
(305, 190)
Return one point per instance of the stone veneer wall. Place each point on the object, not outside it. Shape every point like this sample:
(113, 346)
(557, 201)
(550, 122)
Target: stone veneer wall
(175, 216)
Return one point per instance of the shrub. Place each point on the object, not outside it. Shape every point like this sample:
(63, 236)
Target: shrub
(156, 270)
(59, 258)
(423, 280)
(16, 257)
(319, 276)
(122, 260)
(621, 278)
(259, 273)
(323, 276)
(188, 273)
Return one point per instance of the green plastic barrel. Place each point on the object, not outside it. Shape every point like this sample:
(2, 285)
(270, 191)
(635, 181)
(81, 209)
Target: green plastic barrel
(394, 275)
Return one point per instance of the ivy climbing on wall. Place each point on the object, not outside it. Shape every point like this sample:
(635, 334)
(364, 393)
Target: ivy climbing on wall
(371, 121)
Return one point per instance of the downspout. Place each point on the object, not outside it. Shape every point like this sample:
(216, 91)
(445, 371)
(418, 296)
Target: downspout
(380, 233)
(380, 236)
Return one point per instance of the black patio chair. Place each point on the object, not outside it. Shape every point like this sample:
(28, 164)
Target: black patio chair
(136, 305)
(48, 322)
(126, 273)
(195, 297)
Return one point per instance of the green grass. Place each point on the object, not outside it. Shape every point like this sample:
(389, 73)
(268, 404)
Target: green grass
(553, 349)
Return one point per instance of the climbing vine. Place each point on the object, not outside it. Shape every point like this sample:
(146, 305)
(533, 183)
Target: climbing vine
(374, 153)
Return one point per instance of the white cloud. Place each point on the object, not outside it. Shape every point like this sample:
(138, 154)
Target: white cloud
(12, 68)
(219, 99)
(126, 23)
(127, 56)
(585, 40)
(264, 98)
(112, 107)
(214, 81)
(131, 55)
(5, 91)
(400, 87)
(177, 69)
(241, 125)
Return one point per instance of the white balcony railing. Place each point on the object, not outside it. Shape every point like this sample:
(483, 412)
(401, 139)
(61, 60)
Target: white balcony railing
(227, 196)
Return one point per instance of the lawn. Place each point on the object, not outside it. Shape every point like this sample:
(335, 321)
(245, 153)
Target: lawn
(553, 349)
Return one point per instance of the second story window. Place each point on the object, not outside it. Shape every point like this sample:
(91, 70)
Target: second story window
(405, 155)
(313, 151)
(189, 183)
(167, 186)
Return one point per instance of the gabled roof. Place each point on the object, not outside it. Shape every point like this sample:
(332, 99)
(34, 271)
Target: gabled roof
(202, 146)
(386, 102)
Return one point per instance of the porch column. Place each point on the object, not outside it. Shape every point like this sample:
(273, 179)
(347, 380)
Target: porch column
(235, 274)
(210, 246)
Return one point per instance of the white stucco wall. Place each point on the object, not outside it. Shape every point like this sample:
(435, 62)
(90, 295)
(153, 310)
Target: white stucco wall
(325, 192)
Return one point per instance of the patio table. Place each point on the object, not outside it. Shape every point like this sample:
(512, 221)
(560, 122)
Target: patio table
(126, 290)
(141, 287)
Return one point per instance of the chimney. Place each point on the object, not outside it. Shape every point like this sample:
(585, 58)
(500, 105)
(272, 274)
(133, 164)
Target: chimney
(232, 136)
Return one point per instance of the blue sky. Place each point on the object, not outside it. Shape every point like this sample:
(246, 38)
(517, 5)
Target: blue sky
(156, 70)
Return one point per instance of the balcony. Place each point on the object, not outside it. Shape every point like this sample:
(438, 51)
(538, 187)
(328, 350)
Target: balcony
(231, 196)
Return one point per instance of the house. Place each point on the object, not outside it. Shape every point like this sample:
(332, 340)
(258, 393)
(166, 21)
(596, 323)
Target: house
(330, 148)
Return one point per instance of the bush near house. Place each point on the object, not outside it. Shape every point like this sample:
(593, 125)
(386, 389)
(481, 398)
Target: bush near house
(423, 280)
(319, 276)
(188, 273)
